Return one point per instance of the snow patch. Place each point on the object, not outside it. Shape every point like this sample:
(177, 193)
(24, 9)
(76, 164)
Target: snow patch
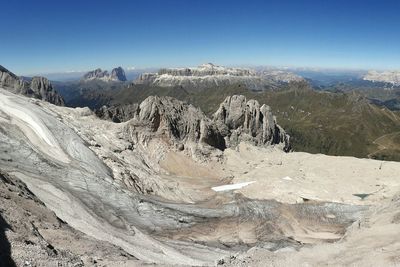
(231, 186)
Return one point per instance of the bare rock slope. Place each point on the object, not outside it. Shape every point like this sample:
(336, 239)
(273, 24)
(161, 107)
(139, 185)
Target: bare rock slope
(147, 185)
(32, 235)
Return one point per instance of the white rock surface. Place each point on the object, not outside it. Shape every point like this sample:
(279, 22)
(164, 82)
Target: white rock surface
(392, 77)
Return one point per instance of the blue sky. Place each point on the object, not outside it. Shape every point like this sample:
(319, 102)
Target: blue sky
(52, 36)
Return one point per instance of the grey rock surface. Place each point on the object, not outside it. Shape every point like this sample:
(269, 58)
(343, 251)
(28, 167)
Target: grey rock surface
(10, 80)
(242, 120)
(42, 89)
(236, 120)
(75, 163)
(38, 87)
(32, 235)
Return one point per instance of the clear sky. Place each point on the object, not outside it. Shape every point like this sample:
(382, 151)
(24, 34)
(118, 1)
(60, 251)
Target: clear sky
(52, 36)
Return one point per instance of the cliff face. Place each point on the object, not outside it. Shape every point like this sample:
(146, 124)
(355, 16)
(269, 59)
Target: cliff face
(38, 87)
(43, 89)
(236, 120)
(244, 120)
(10, 80)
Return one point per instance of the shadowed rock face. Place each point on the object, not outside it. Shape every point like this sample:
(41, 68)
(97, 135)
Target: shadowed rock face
(10, 81)
(117, 75)
(236, 120)
(244, 120)
(42, 89)
(38, 87)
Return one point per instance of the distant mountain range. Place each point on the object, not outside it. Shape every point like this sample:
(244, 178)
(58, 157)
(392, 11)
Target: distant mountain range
(345, 121)
(208, 75)
(392, 77)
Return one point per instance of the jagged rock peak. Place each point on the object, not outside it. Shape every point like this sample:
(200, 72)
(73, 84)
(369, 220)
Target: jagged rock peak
(117, 74)
(96, 74)
(43, 89)
(38, 87)
(9, 79)
(236, 120)
(248, 121)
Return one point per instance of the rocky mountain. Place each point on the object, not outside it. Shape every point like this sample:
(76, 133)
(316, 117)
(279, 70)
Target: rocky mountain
(235, 121)
(43, 89)
(210, 75)
(317, 121)
(96, 74)
(36, 87)
(155, 189)
(243, 120)
(392, 77)
(10, 80)
(117, 75)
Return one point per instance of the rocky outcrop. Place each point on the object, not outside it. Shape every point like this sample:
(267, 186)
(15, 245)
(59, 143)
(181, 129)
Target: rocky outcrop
(118, 113)
(236, 120)
(117, 75)
(38, 87)
(41, 88)
(242, 120)
(10, 80)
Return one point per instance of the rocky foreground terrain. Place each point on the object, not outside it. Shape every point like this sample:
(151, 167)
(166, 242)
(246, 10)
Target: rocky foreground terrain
(159, 182)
